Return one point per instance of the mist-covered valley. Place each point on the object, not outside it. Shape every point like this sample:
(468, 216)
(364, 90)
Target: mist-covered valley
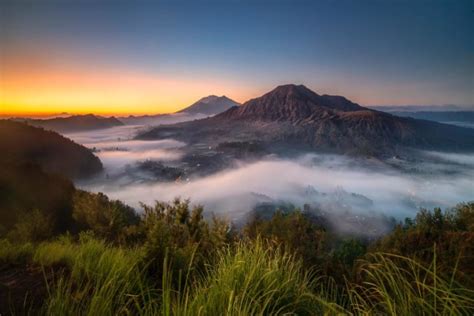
(340, 186)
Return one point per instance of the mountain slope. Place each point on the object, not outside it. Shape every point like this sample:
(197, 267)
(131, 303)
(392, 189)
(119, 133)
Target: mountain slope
(21, 143)
(296, 117)
(76, 123)
(210, 105)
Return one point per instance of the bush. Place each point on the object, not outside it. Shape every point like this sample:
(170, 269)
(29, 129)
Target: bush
(448, 234)
(32, 226)
(294, 231)
(182, 235)
(108, 219)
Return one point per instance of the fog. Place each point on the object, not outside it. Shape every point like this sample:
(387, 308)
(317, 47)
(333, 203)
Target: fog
(332, 183)
(117, 150)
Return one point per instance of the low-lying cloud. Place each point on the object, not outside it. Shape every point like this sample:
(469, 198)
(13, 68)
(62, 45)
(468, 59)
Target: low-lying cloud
(331, 182)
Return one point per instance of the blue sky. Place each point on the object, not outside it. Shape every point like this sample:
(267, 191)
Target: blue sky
(375, 52)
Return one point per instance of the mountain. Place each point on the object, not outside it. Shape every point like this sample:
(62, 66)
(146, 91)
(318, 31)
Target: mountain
(75, 123)
(294, 117)
(290, 103)
(203, 108)
(159, 119)
(210, 105)
(460, 118)
(422, 108)
(21, 144)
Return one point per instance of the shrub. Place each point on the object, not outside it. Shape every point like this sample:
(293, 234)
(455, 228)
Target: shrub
(32, 226)
(175, 231)
(108, 219)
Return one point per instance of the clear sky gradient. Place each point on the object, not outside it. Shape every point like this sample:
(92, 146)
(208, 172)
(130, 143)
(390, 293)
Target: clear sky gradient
(117, 57)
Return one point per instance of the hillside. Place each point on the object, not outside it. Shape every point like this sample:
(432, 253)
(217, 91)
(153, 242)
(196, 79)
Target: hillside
(21, 143)
(75, 123)
(210, 105)
(25, 187)
(295, 117)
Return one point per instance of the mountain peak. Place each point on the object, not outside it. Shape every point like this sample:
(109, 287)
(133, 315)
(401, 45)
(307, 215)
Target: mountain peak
(291, 103)
(210, 105)
(292, 88)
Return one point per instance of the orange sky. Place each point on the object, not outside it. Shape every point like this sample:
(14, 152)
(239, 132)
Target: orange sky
(27, 91)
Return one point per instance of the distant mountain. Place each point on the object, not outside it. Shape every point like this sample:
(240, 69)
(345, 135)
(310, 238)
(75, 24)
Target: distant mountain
(210, 105)
(22, 144)
(203, 108)
(422, 108)
(460, 118)
(75, 123)
(293, 116)
(159, 119)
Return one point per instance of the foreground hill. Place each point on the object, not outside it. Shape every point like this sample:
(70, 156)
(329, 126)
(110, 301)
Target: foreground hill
(75, 123)
(25, 188)
(293, 116)
(210, 105)
(21, 143)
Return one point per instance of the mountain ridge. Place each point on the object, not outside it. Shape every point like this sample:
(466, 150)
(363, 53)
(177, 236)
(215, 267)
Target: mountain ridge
(21, 143)
(75, 123)
(295, 116)
(290, 103)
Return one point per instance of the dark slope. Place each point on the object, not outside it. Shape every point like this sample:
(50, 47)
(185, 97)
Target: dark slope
(210, 105)
(24, 144)
(24, 187)
(76, 123)
(295, 116)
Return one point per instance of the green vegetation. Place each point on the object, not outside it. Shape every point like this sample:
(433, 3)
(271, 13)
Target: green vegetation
(171, 261)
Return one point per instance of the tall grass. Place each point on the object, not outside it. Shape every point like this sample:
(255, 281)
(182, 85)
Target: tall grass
(396, 285)
(12, 253)
(249, 278)
(254, 279)
(100, 279)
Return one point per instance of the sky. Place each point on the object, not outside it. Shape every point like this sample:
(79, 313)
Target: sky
(137, 57)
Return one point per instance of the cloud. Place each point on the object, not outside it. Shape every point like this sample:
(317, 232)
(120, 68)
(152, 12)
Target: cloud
(327, 181)
(333, 183)
(116, 150)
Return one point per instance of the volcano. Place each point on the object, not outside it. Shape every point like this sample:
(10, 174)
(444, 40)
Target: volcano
(295, 117)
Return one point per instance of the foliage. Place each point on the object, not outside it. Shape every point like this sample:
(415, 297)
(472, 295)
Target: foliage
(181, 234)
(108, 219)
(11, 253)
(396, 285)
(32, 226)
(295, 231)
(25, 187)
(254, 279)
(449, 235)
(172, 261)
